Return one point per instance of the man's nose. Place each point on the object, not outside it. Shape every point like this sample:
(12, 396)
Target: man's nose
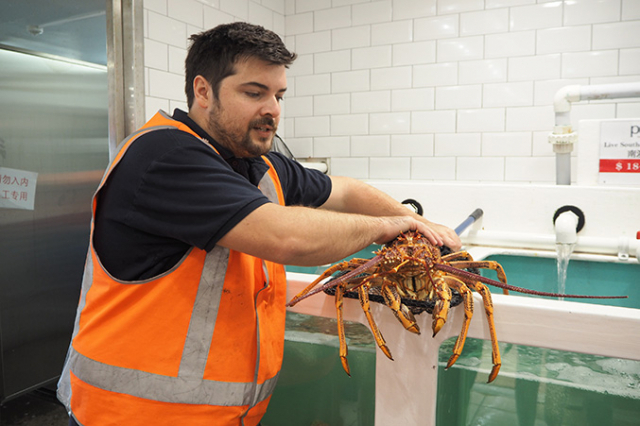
(271, 108)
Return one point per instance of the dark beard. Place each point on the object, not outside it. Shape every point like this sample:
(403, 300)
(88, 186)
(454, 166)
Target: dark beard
(241, 145)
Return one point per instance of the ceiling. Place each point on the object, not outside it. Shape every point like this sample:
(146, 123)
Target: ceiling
(74, 29)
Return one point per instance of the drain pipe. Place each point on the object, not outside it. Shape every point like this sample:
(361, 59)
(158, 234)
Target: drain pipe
(563, 137)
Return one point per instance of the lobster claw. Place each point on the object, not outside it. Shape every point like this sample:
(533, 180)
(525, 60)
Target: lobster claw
(404, 315)
(409, 320)
(442, 305)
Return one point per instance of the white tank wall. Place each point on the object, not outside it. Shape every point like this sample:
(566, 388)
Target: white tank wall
(610, 212)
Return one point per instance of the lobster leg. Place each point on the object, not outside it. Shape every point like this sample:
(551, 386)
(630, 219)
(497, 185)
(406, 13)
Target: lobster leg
(488, 308)
(484, 264)
(468, 313)
(364, 302)
(457, 255)
(343, 341)
(404, 315)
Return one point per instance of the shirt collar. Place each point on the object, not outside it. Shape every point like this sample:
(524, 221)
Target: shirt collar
(253, 169)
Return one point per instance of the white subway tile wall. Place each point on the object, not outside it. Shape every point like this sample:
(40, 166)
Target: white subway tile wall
(438, 90)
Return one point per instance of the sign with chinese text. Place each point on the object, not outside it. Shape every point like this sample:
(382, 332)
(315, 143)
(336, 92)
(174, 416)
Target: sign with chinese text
(620, 152)
(17, 189)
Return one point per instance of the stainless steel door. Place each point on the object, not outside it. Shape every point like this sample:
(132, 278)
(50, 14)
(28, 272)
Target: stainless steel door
(53, 150)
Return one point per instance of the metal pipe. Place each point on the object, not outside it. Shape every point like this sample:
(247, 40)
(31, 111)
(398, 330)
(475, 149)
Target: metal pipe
(477, 214)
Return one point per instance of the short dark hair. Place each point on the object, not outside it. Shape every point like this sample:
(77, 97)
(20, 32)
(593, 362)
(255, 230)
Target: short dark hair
(214, 53)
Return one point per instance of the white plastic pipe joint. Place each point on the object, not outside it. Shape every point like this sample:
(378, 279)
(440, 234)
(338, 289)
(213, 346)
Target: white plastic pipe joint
(568, 221)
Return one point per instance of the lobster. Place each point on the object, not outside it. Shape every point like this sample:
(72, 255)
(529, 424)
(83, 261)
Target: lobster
(411, 269)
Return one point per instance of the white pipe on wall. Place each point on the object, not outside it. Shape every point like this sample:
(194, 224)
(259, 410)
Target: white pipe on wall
(320, 166)
(563, 137)
(563, 164)
(574, 93)
(622, 247)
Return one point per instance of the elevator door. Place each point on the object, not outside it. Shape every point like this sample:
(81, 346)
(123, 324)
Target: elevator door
(53, 150)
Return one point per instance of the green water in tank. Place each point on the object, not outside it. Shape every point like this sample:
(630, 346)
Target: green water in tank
(539, 386)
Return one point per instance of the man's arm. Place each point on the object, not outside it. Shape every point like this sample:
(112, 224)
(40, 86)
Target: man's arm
(307, 237)
(345, 224)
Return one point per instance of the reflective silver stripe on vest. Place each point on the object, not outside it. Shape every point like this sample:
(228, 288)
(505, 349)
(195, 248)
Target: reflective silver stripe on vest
(268, 188)
(203, 317)
(64, 383)
(186, 390)
(87, 279)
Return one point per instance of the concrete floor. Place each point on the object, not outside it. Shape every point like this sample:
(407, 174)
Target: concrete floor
(37, 408)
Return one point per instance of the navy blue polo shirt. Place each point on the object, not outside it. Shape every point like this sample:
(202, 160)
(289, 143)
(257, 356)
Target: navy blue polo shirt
(170, 192)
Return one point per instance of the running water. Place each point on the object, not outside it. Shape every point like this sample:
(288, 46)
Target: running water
(563, 254)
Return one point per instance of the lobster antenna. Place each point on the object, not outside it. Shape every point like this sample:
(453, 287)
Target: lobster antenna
(476, 277)
(334, 282)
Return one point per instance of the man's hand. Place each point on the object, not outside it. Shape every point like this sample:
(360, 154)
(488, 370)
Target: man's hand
(354, 196)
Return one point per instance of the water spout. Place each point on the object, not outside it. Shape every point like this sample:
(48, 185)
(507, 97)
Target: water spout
(567, 228)
(568, 220)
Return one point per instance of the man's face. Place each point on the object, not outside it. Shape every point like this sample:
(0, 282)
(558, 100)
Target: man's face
(245, 117)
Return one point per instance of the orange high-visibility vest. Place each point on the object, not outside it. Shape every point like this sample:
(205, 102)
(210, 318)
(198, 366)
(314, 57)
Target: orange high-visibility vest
(200, 344)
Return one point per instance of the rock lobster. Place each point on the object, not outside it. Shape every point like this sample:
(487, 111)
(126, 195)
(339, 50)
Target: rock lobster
(410, 268)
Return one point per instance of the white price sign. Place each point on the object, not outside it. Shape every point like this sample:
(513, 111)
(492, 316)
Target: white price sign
(620, 152)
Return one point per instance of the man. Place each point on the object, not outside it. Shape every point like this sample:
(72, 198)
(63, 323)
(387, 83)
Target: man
(181, 315)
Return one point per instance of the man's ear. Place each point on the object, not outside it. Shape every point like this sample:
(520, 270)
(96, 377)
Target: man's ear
(202, 92)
